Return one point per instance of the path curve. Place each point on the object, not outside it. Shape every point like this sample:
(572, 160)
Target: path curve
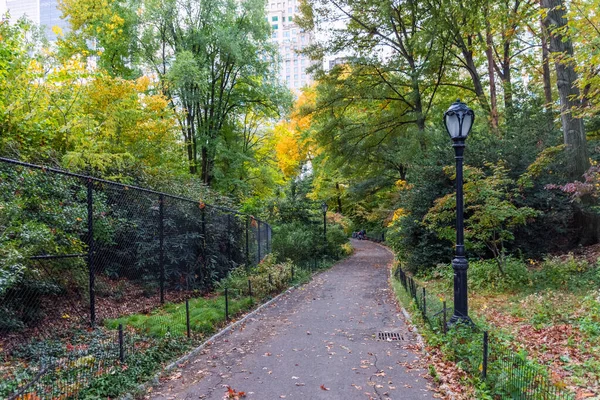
(319, 341)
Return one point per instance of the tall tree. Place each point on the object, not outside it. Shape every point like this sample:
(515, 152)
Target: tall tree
(215, 58)
(561, 48)
(386, 87)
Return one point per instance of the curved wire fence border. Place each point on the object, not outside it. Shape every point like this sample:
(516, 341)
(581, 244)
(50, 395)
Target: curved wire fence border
(504, 368)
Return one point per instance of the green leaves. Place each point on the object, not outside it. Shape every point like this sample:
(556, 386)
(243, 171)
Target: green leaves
(492, 212)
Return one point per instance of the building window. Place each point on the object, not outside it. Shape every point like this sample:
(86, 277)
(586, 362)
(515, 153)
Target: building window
(290, 9)
(287, 78)
(275, 19)
(290, 18)
(286, 34)
(274, 35)
(275, 26)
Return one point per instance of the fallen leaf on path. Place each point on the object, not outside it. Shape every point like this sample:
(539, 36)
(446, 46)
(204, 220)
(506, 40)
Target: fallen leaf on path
(232, 394)
(324, 388)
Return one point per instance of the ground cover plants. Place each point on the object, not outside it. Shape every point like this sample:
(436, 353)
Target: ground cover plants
(87, 364)
(547, 312)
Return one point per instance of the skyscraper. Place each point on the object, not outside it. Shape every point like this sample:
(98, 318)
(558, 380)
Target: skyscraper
(41, 12)
(289, 38)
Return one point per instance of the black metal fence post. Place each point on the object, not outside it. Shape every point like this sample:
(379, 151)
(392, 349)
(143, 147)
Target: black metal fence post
(187, 317)
(203, 224)
(424, 305)
(161, 239)
(229, 238)
(444, 327)
(258, 240)
(292, 272)
(247, 243)
(121, 347)
(485, 356)
(92, 278)
(226, 304)
(270, 279)
(268, 234)
(249, 287)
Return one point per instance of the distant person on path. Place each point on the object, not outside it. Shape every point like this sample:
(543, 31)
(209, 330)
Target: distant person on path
(362, 234)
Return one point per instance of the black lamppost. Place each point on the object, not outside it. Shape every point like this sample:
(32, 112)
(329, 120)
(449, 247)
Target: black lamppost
(459, 120)
(324, 209)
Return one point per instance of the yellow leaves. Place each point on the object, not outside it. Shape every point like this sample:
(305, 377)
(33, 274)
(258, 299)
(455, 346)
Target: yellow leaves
(399, 213)
(57, 30)
(403, 185)
(288, 149)
(142, 83)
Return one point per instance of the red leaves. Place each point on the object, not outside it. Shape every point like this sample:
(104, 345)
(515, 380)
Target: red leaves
(232, 394)
(324, 388)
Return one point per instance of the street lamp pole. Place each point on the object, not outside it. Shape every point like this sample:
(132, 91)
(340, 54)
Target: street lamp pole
(458, 120)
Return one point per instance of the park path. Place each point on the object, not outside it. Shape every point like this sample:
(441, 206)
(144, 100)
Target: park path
(318, 341)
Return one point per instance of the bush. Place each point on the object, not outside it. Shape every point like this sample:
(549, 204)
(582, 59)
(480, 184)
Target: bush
(296, 240)
(566, 273)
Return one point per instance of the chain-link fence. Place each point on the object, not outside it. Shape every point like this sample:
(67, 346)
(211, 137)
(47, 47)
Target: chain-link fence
(508, 371)
(80, 256)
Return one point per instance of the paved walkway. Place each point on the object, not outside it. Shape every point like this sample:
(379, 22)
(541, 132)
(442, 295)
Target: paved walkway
(319, 341)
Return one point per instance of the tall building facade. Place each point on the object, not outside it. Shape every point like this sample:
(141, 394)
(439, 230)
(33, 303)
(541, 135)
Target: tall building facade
(289, 38)
(41, 12)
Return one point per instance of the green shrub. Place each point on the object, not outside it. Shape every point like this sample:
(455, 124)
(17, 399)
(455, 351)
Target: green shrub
(566, 273)
(296, 240)
(485, 275)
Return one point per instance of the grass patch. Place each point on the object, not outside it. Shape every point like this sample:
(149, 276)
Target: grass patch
(548, 311)
(206, 314)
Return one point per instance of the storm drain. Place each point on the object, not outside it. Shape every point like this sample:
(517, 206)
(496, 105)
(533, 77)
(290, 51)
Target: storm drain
(389, 336)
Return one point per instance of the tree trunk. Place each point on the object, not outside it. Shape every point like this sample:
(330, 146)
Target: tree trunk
(546, 67)
(475, 77)
(189, 139)
(418, 106)
(205, 165)
(573, 129)
(339, 197)
(507, 84)
(490, 61)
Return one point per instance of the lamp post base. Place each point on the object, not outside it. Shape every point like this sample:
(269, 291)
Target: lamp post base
(460, 319)
(461, 307)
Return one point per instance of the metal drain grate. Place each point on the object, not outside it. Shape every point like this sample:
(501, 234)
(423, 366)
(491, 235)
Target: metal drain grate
(389, 336)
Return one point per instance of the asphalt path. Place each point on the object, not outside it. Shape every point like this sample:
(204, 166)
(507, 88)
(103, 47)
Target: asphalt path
(319, 341)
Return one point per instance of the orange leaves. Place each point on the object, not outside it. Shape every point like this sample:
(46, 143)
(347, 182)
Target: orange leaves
(232, 394)
(30, 396)
(324, 388)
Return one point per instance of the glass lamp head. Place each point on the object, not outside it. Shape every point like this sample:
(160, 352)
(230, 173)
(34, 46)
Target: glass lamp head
(458, 120)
